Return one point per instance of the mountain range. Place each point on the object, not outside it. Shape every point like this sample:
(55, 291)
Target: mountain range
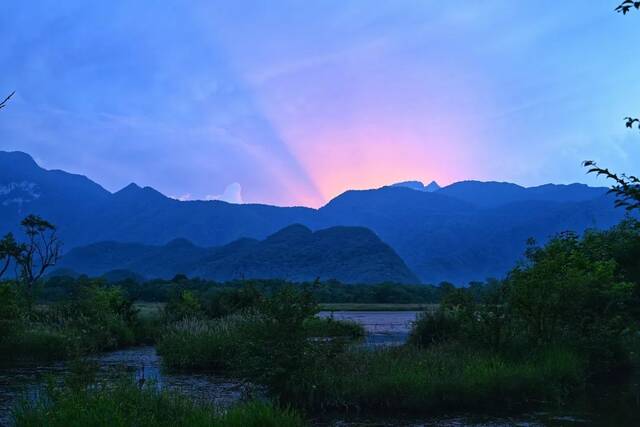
(346, 254)
(466, 231)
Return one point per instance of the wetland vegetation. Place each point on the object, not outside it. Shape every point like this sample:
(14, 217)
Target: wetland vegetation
(563, 321)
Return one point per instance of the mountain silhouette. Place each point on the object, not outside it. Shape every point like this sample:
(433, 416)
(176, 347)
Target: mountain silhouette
(295, 253)
(466, 231)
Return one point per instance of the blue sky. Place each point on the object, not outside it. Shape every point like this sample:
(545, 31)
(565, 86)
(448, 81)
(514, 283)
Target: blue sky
(293, 102)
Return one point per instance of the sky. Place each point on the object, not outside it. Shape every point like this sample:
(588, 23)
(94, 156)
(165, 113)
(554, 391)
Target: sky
(293, 102)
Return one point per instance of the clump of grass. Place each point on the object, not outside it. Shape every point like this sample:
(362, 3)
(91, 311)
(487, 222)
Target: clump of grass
(199, 344)
(220, 344)
(125, 404)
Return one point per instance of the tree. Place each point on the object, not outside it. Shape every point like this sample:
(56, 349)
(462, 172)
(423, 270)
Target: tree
(9, 250)
(626, 187)
(41, 251)
(568, 292)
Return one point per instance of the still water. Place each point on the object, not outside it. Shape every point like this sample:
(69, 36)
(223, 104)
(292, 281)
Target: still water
(615, 407)
(382, 327)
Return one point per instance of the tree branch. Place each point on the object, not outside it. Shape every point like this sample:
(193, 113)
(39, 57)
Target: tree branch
(3, 103)
(627, 5)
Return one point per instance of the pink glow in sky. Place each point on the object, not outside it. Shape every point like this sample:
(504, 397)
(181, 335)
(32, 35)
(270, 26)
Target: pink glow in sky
(293, 102)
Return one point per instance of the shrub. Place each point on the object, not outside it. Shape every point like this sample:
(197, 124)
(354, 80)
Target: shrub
(277, 346)
(183, 305)
(99, 317)
(96, 318)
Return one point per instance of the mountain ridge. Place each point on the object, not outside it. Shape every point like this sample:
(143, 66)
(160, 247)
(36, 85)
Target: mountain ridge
(295, 253)
(465, 231)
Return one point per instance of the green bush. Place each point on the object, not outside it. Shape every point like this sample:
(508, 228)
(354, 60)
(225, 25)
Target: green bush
(183, 305)
(99, 317)
(95, 318)
(569, 293)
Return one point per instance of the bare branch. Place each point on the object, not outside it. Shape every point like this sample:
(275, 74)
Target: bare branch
(3, 103)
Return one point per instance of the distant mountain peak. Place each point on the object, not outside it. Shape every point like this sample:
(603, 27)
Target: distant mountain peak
(418, 186)
(133, 190)
(431, 187)
(293, 231)
(17, 159)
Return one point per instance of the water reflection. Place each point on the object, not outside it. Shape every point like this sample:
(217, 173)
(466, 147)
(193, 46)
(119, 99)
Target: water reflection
(612, 406)
(381, 327)
(141, 362)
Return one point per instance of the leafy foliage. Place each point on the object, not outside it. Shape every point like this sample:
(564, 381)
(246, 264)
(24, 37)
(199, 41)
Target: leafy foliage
(94, 318)
(581, 293)
(626, 6)
(34, 257)
(626, 187)
(183, 305)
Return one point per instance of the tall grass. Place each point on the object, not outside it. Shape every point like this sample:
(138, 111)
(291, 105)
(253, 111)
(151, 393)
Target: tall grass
(124, 405)
(218, 344)
(438, 379)
(198, 344)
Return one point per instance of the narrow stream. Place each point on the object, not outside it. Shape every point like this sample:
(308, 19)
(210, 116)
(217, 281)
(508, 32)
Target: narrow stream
(17, 381)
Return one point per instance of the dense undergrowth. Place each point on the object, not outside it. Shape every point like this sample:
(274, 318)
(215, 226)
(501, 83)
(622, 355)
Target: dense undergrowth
(95, 318)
